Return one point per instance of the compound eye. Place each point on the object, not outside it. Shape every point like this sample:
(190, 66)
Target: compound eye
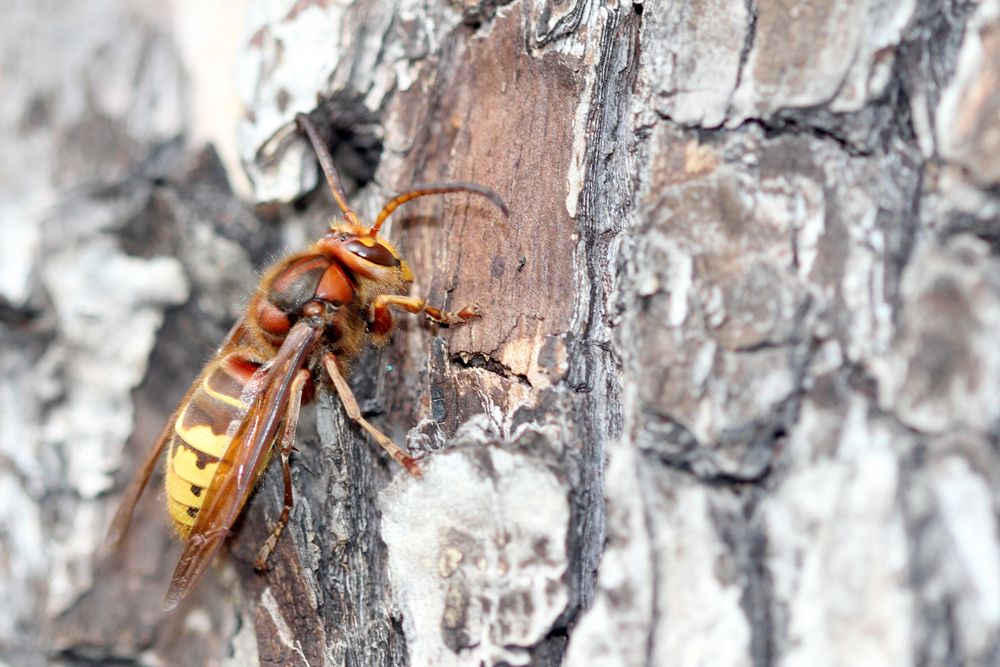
(375, 253)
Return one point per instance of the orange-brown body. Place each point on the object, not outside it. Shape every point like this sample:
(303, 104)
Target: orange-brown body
(329, 272)
(309, 318)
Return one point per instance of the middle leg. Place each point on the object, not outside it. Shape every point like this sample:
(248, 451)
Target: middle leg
(354, 412)
(286, 446)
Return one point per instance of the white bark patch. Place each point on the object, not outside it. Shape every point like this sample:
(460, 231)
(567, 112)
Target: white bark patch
(691, 57)
(614, 632)
(298, 50)
(477, 552)
(18, 252)
(699, 620)
(967, 512)
(209, 36)
(96, 365)
(68, 69)
(661, 599)
(25, 556)
(811, 53)
(577, 171)
(837, 549)
(110, 293)
(862, 286)
(883, 24)
(290, 53)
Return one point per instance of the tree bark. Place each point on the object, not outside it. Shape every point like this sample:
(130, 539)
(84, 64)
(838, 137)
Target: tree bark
(733, 399)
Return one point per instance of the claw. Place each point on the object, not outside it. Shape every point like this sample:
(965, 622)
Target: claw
(411, 465)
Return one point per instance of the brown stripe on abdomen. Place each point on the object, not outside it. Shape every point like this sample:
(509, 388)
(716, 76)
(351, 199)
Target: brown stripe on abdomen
(226, 379)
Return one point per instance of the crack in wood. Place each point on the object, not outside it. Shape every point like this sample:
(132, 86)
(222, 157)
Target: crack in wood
(488, 363)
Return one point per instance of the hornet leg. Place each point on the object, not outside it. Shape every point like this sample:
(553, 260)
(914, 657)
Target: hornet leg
(354, 412)
(415, 306)
(287, 444)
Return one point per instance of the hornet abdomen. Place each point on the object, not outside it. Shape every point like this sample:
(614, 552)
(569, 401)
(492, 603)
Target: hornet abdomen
(202, 435)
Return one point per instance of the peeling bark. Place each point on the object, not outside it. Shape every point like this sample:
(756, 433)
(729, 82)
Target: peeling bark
(733, 400)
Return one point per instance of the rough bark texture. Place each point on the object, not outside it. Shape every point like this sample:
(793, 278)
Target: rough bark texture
(734, 400)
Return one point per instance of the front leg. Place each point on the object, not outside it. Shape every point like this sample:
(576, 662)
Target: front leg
(381, 303)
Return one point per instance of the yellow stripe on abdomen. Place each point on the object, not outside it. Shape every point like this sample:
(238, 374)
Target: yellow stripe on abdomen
(201, 436)
(182, 515)
(192, 468)
(200, 440)
(186, 483)
(191, 494)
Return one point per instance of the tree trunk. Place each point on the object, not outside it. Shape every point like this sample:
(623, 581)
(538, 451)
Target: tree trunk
(734, 398)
